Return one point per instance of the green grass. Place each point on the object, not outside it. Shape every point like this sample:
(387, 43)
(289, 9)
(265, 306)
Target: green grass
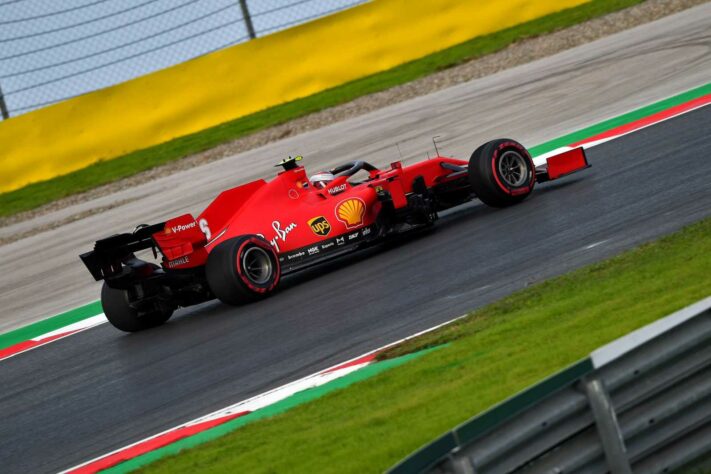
(37, 194)
(493, 353)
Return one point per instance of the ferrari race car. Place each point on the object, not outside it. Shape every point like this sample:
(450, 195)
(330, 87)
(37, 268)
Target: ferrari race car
(241, 245)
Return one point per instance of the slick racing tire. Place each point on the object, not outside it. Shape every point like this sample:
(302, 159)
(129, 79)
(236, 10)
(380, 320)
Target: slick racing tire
(124, 317)
(242, 270)
(501, 172)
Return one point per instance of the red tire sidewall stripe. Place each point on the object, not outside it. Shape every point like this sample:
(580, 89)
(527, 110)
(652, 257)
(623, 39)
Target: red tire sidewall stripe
(275, 262)
(495, 169)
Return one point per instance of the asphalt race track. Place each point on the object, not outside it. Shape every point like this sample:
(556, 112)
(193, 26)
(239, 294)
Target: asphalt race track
(533, 103)
(100, 390)
(88, 394)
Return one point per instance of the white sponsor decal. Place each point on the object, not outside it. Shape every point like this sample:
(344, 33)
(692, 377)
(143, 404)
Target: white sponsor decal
(313, 250)
(340, 240)
(328, 245)
(222, 232)
(337, 189)
(181, 227)
(178, 261)
(366, 231)
(296, 255)
(205, 228)
(281, 233)
(352, 236)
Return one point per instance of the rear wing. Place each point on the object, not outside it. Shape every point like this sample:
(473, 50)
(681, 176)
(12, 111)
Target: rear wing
(562, 164)
(106, 260)
(180, 240)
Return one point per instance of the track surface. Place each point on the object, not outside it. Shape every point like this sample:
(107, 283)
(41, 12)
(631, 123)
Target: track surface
(99, 390)
(532, 103)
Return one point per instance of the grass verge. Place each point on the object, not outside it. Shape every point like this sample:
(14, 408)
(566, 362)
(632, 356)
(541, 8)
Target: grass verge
(103, 172)
(492, 354)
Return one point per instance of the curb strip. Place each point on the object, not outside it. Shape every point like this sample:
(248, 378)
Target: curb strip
(226, 420)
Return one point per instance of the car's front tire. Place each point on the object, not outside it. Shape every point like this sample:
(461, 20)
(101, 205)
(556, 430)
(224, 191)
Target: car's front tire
(242, 269)
(501, 172)
(124, 317)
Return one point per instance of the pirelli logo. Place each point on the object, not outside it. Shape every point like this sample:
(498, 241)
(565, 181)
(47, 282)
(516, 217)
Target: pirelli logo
(320, 226)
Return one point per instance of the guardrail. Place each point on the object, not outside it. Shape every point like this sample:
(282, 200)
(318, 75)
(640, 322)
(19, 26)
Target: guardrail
(639, 404)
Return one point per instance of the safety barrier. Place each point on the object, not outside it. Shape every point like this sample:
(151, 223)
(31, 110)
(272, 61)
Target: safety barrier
(244, 79)
(639, 404)
(54, 51)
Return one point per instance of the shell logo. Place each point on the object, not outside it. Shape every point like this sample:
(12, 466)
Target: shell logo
(351, 212)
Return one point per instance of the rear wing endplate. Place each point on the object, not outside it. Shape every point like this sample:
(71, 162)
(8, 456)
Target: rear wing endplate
(109, 253)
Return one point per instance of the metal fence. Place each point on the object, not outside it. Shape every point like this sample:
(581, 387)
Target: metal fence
(52, 51)
(640, 404)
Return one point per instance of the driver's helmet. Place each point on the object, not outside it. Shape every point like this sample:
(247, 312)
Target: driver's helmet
(321, 180)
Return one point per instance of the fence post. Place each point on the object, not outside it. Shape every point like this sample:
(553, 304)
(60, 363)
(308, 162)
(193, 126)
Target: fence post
(247, 19)
(458, 465)
(3, 107)
(608, 429)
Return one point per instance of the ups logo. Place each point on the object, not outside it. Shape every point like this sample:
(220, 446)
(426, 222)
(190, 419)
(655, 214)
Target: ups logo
(320, 225)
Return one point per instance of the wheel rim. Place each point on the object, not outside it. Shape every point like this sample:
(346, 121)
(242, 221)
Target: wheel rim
(513, 168)
(257, 265)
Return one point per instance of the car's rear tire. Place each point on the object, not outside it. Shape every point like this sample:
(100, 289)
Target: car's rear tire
(242, 270)
(501, 172)
(124, 317)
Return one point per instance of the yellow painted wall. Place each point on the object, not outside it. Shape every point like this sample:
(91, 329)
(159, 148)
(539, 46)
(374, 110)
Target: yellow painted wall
(244, 79)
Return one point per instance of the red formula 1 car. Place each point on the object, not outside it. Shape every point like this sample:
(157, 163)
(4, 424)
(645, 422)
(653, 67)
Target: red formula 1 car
(250, 236)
